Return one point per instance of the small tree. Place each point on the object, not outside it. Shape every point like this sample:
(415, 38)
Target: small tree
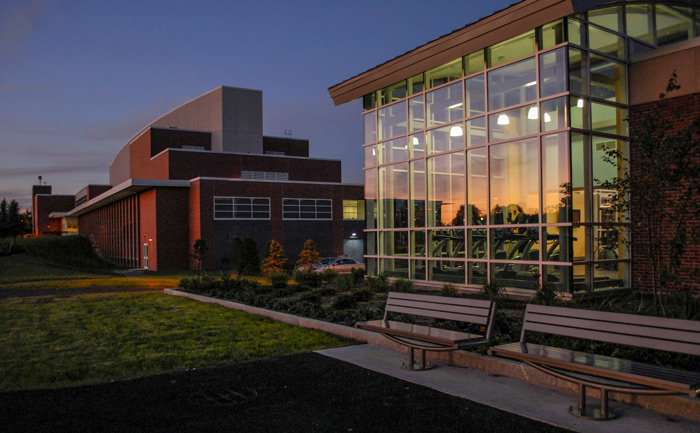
(199, 253)
(275, 259)
(309, 255)
(11, 224)
(660, 191)
(250, 260)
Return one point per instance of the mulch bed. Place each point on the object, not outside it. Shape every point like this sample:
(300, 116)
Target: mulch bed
(300, 393)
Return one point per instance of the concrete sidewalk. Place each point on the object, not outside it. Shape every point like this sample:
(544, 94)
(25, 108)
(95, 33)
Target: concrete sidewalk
(533, 401)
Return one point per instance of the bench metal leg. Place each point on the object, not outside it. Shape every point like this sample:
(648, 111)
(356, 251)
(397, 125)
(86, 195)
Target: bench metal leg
(412, 365)
(600, 413)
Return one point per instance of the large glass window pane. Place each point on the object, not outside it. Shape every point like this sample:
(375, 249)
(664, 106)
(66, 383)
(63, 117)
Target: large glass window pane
(416, 113)
(476, 244)
(446, 243)
(393, 150)
(640, 22)
(477, 186)
(606, 167)
(475, 96)
(512, 49)
(370, 127)
(446, 190)
(446, 271)
(369, 101)
(558, 277)
(372, 266)
(392, 120)
(606, 277)
(444, 105)
(578, 180)
(394, 268)
(444, 74)
(513, 123)
(393, 196)
(371, 198)
(606, 42)
(370, 156)
(553, 72)
(393, 243)
(553, 114)
(556, 185)
(392, 93)
(418, 193)
(578, 71)
(551, 34)
(416, 144)
(513, 84)
(608, 80)
(418, 243)
(577, 32)
(478, 273)
(673, 25)
(608, 119)
(578, 109)
(450, 137)
(474, 62)
(418, 270)
(476, 131)
(610, 18)
(520, 243)
(371, 243)
(559, 244)
(416, 84)
(514, 182)
(514, 275)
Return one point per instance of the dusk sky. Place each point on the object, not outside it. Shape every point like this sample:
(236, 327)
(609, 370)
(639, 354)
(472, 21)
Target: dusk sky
(79, 78)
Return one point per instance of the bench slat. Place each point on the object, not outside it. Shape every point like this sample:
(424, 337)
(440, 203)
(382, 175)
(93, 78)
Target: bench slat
(629, 340)
(479, 320)
(430, 307)
(603, 366)
(616, 330)
(632, 319)
(440, 299)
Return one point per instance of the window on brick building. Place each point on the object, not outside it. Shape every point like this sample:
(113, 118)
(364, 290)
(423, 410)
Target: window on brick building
(353, 209)
(306, 209)
(243, 208)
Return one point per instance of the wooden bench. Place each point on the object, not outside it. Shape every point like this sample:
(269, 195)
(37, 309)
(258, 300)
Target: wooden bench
(604, 372)
(426, 338)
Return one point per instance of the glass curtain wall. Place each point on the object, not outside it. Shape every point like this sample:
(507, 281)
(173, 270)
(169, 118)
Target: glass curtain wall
(491, 168)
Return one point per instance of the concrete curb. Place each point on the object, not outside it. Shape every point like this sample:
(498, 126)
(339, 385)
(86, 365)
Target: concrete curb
(672, 405)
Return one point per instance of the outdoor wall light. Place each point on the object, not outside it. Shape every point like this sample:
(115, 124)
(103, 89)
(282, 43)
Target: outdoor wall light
(456, 131)
(532, 113)
(503, 120)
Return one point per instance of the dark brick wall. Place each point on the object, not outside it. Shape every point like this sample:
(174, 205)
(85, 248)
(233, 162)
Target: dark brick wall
(290, 146)
(680, 111)
(44, 205)
(172, 207)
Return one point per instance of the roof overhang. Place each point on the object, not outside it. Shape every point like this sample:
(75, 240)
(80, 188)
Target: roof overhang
(502, 25)
(123, 190)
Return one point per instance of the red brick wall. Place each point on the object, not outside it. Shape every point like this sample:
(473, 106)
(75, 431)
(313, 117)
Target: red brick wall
(680, 111)
(147, 226)
(44, 205)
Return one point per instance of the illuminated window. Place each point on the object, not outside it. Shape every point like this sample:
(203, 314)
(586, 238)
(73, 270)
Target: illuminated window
(353, 209)
(244, 208)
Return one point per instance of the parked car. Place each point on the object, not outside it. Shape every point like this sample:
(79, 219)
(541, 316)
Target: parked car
(342, 265)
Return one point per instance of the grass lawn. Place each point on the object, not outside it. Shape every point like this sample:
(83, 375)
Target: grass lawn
(58, 342)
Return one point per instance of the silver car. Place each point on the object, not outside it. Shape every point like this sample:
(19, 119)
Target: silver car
(342, 265)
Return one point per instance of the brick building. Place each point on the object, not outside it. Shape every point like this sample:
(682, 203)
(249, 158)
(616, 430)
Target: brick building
(205, 171)
(485, 149)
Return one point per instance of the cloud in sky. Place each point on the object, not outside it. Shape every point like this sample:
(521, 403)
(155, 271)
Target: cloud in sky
(17, 23)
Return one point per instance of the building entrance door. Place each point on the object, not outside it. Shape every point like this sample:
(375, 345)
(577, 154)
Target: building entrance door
(354, 248)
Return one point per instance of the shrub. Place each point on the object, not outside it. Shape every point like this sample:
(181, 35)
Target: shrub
(199, 284)
(308, 255)
(306, 278)
(275, 260)
(344, 302)
(75, 251)
(279, 280)
(344, 283)
(312, 297)
(377, 284)
(449, 290)
(358, 276)
(363, 295)
(403, 285)
(545, 294)
(492, 292)
(329, 275)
